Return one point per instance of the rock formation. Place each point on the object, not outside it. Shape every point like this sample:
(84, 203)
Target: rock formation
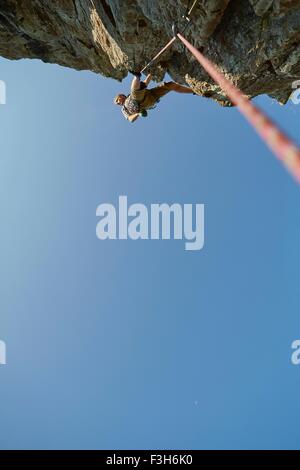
(256, 43)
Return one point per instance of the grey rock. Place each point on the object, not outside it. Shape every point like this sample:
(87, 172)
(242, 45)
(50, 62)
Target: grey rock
(256, 43)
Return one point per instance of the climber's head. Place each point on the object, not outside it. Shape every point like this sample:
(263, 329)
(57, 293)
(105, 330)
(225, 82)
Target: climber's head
(120, 100)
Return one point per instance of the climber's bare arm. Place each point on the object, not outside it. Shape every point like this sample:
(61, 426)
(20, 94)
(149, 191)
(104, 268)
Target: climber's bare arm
(136, 84)
(133, 117)
(148, 79)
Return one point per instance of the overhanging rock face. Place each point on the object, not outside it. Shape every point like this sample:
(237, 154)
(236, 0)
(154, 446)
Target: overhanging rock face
(256, 43)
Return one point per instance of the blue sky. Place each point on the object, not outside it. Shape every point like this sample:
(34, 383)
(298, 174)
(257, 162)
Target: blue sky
(140, 344)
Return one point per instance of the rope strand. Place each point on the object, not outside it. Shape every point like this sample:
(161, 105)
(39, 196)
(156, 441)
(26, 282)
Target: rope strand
(160, 53)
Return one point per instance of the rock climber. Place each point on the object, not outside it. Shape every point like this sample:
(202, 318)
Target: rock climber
(142, 99)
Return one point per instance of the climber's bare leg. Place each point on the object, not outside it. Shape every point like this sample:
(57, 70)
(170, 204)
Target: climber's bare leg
(180, 88)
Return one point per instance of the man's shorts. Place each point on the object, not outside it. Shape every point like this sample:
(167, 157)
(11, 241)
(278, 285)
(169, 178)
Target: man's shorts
(148, 98)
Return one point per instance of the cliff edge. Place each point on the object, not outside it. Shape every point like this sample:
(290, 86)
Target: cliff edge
(256, 43)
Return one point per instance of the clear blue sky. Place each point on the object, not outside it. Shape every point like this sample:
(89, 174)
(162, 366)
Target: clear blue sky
(124, 344)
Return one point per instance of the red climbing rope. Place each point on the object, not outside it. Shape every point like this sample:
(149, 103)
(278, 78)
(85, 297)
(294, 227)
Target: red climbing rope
(281, 145)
